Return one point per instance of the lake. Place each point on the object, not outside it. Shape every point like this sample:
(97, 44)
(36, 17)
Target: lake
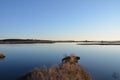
(100, 61)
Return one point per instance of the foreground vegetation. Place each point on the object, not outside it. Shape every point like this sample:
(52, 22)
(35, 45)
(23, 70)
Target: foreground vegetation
(66, 71)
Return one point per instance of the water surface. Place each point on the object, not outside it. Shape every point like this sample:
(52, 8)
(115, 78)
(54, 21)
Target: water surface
(102, 62)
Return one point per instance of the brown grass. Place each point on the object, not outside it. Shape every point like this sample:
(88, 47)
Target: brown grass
(65, 71)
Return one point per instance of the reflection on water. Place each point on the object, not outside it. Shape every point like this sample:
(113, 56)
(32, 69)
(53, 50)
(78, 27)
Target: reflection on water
(115, 76)
(102, 62)
(2, 58)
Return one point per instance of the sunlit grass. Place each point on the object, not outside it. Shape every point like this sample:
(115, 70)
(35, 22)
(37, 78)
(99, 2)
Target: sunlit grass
(65, 71)
(69, 69)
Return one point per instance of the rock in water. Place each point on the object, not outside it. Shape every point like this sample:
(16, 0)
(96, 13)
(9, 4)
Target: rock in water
(70, 59)
(2, 56)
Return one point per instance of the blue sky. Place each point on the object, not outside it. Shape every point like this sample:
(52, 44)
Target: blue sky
(60, 19)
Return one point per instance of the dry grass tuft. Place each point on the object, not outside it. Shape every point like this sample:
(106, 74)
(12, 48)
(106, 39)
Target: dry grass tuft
(66, 71)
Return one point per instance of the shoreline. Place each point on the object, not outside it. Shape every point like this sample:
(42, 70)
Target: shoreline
(35, 41)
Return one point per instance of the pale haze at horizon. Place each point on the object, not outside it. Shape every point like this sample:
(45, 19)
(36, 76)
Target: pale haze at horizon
(60, 19)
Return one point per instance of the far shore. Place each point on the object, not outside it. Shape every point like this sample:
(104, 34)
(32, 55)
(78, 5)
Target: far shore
(100, 43)
(35, 41)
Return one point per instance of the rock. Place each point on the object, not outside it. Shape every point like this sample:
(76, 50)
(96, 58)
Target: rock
(70, 59)
(2, 56)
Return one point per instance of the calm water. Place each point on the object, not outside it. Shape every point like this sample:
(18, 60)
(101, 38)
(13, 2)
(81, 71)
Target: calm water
(100, 61)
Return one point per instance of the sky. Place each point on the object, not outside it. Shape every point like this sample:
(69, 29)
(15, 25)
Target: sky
(60, 19)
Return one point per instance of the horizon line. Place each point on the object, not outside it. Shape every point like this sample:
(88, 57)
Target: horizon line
(56, 40)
